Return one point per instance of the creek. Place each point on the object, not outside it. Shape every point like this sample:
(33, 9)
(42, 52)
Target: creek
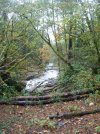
(47, 79)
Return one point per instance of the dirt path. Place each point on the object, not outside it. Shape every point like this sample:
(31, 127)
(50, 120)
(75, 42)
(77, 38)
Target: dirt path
(34, 120)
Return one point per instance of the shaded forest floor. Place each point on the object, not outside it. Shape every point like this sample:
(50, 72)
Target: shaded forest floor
(34, 119)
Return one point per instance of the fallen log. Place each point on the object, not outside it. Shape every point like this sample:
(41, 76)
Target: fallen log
(55, 88)
(73, 115)
(46, 97)
(50, 89)
(39, 85)
(43, 102)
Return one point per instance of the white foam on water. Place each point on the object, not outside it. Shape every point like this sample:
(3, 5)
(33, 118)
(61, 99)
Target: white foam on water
(47, 75)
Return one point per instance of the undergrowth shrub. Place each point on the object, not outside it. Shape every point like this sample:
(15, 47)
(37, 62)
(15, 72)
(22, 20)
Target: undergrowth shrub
(83, 80)
(7, 92)
(79, 78)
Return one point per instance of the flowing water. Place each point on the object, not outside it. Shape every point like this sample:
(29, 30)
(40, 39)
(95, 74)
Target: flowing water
(49, 76)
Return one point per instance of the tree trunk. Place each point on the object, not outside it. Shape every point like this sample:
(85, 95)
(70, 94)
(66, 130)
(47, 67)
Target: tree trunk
(43, 102)
(73, 115)
(47, 97)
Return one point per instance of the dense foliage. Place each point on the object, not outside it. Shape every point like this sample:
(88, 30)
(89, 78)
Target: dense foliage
(70, 28)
